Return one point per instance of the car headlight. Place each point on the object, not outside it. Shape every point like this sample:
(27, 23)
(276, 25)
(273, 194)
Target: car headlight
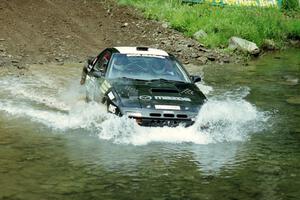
(134, 114)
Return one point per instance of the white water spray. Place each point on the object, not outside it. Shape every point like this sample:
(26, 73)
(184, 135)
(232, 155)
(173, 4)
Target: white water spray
(59, 104)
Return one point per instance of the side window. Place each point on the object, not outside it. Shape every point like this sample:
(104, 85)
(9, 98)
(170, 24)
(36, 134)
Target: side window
(102, 62)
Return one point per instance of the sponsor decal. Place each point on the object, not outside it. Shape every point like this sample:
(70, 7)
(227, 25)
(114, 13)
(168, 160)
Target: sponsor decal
(148, 98)
(145, 98)
(267, 3)
(146, 55)
(187, 91)
(105, 86)
(172, 98)
(112, 108)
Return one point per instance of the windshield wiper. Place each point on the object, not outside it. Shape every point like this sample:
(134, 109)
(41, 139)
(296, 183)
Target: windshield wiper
(135, 79)
(166, 80)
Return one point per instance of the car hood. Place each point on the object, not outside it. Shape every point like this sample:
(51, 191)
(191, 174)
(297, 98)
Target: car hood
(158, 95)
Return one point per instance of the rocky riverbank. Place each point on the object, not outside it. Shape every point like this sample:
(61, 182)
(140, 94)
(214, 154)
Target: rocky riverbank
(40, 32)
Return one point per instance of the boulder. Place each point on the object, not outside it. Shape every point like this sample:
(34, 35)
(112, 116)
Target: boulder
(243, 45)
(269, 45)
(294, 100)
(199, 34)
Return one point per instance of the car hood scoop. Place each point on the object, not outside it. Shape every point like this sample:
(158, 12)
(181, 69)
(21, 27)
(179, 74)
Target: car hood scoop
(164, 90)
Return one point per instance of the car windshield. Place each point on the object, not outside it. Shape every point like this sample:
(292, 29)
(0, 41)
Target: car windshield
(146, 67)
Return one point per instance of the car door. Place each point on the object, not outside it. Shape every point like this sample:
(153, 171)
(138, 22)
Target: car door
(96, 85)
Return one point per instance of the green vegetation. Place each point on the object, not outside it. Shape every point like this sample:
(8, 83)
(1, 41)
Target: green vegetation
(290, 5)
(220, 23)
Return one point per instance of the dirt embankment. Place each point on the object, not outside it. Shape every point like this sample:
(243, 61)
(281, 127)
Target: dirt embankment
(43, 31)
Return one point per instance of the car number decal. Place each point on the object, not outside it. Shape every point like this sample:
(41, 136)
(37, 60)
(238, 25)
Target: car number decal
(112, 108)
(167, 107)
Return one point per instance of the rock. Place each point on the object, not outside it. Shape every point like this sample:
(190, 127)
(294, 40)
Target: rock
(203, 49)
(211, 57)
(2, 63)
(295, 43)
(2, 39)
(269, 45)
(243, 45)
(226, 59)
(202, 60)
(19, 57)
(59, 59)
(195, 55)
(165, 25)
(178, 50)
(15, 61)
(124, 25)
(294, 100)
(291, 80)
(199, 34)
(186, 62)
(19, 67)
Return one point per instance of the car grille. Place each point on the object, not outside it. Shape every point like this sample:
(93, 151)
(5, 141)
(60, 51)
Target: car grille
(169, 115)
(156, 122)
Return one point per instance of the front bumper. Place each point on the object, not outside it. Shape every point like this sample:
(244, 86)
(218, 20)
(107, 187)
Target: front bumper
(161, 118)
(164, 122)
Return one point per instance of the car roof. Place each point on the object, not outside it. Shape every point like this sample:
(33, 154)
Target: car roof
(142, 50)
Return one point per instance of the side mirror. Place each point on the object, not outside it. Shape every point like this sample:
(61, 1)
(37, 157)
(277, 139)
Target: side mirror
(89, 63)
(90, 60)
(195, 79)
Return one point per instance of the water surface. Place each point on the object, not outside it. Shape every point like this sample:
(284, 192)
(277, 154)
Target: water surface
(54, 145)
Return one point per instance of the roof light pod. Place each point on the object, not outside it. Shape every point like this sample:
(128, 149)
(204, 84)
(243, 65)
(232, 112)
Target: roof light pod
(142, 48)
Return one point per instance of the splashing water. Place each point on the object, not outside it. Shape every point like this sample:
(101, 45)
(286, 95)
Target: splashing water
(228, 120)
(59, 104)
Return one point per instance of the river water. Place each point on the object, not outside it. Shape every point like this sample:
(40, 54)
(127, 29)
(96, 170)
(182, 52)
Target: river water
(54, 145)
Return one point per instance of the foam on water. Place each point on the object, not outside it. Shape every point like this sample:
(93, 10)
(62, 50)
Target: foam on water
(229, 116)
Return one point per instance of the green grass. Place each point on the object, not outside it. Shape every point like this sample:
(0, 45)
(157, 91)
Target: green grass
(220, 23)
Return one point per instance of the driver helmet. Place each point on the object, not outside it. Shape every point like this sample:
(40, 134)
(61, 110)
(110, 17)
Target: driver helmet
(159, 66)
(120, 61)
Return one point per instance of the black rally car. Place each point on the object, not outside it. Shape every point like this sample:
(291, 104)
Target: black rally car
(143, 83)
